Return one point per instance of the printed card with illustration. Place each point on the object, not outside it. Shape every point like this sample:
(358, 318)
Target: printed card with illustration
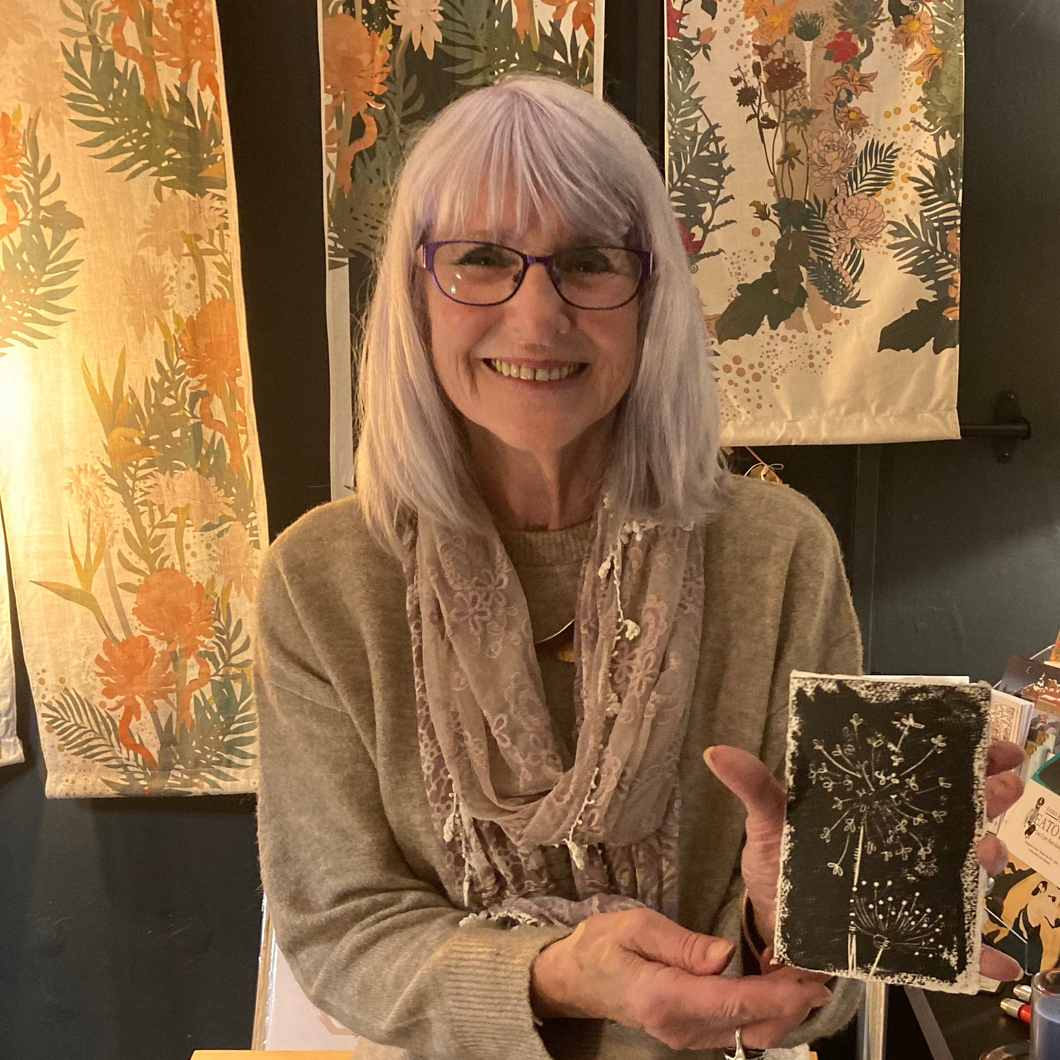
(1031, 828)
(886, 801)
(1023, 917)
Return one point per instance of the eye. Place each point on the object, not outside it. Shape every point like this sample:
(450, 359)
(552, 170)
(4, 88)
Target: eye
(487, 256)
(587, 260)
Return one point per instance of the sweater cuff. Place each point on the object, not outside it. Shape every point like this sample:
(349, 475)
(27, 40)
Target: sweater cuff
(846, 997)
(487, 976)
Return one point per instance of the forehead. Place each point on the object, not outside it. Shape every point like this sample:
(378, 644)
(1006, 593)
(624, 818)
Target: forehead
(508, 211)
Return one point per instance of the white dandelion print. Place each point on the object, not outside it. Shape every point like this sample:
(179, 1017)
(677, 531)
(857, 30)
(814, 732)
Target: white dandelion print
(886, 797)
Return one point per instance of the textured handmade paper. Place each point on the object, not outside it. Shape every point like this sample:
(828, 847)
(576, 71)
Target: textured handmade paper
(886, 801)
(813, 154)
(129, 466)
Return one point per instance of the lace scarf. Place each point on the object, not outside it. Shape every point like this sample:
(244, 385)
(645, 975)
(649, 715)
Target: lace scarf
(481, 708)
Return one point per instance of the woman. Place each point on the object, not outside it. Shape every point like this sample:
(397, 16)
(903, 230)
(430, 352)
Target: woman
(487, 680)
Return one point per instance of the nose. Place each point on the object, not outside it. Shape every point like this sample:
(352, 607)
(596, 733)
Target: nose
(536, 310)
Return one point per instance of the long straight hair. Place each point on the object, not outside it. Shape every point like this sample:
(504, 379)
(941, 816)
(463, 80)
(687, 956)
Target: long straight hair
(533, 143)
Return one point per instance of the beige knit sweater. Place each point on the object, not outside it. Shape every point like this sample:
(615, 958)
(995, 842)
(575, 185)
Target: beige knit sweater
(348, 852)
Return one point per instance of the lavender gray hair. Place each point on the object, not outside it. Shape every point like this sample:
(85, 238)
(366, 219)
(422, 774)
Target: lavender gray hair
(547, 147)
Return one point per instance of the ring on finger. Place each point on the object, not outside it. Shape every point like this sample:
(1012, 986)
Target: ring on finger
(742, 1052)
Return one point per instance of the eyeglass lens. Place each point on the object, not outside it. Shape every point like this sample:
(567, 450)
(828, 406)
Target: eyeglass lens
(587, 277)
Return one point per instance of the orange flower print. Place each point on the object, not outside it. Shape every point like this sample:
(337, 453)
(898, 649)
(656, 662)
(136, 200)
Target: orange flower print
(583, 14)
(209, 345)
(187, 39)
(354, 76)
(850, 81)
(927, 62)
(774, 20)
(953, 242)
(132, 675)
(11, 153)
(852, 119)
(914, 30)
(173, 608)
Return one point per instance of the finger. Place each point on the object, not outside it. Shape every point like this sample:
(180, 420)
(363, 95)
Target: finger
(767, 1034)
(1003, 755)
(1002, 791)
(749, 780)
(997, 965)
(992, 855)
(785, 995)
(657, 938)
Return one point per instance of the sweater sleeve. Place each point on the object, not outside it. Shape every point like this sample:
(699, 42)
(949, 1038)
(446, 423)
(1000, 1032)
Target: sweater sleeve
(819, 634)
(371, 944)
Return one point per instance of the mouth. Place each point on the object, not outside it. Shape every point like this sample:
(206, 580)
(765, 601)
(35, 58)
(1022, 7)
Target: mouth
(532, 374)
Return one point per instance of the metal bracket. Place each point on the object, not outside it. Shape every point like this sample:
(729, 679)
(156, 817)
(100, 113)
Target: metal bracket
(1009, 427)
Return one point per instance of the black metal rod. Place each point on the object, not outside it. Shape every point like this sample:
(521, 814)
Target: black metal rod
(996, 430)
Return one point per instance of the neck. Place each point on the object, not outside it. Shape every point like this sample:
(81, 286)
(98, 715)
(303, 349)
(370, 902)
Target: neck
(539, 490)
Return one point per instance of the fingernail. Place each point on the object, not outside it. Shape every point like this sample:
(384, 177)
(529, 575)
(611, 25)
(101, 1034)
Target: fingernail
(721, 950)
(706, 754)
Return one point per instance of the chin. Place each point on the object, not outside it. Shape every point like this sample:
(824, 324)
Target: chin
(537, 438)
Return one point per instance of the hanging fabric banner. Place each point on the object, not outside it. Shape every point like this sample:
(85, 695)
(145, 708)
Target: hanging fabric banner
(129, 465)
(813, 156)
(10, 745)
(386, 70)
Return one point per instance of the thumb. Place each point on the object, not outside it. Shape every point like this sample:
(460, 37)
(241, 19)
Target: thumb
(749, 780)
(660, 940)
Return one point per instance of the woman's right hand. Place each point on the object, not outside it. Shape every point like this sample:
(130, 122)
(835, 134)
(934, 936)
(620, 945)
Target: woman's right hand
(643, 970)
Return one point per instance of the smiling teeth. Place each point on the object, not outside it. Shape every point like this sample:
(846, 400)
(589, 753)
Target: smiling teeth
(540, 375)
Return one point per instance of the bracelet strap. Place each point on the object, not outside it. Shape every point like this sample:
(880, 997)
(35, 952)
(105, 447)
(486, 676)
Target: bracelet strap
(754, 942)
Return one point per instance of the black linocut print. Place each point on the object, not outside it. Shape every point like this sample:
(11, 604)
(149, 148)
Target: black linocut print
(886, 799)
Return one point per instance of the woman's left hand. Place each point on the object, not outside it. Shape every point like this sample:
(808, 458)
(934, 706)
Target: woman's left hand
(749, 780)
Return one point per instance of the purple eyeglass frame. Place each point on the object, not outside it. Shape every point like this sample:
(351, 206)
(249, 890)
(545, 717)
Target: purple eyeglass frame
(428, 250)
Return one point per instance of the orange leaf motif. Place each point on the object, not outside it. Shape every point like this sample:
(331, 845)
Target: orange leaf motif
(583, 13)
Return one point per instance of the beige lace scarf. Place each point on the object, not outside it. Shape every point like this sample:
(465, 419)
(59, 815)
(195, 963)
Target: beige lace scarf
(481, 712)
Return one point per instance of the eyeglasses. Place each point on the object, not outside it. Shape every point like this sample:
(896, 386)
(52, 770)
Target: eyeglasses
(484, 274)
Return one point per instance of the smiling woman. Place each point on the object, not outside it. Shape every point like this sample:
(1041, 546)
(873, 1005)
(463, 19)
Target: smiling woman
(516, 189)
(476, 847)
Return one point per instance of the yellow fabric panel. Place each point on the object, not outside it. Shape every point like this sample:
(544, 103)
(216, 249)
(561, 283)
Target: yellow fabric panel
(129, 464)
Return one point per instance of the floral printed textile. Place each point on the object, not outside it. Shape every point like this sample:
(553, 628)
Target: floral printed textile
(386, 70)
(814, 153)
(129, 464)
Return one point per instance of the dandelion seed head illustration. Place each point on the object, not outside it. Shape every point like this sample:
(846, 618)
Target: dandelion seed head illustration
(874, 796)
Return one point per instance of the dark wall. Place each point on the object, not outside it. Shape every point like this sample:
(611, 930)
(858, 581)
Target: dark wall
(129, 929)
